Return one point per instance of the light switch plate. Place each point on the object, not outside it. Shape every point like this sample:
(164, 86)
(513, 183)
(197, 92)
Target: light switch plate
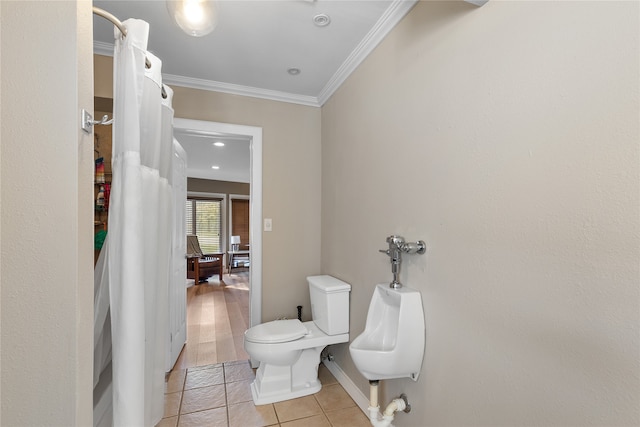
(268, 226)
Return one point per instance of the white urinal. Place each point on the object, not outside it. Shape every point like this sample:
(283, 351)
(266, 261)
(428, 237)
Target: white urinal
(392, 344)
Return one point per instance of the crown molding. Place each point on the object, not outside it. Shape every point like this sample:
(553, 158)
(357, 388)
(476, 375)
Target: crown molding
(391, 17)
(234, 89)
(102, 48)
(396, 11)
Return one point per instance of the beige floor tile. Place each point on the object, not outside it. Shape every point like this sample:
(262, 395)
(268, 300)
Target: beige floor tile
(349, 417)
(209, 418)
(174, 381)
(168, 422)
(238, 392)
(333, 397)
(197, 378)
(172, 404)
(238, 372)
(315, 421)
(294, 409)
(248, 415)
(199, 399)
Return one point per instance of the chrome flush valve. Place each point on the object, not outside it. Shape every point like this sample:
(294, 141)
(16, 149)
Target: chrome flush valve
(397, 245)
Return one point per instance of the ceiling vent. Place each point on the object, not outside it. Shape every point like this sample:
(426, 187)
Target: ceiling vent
(322, 20)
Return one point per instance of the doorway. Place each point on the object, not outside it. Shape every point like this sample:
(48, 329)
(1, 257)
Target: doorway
(254, 135)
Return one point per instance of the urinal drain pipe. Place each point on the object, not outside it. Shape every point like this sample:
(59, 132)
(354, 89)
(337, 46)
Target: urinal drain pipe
(399, 404)
(373, 394)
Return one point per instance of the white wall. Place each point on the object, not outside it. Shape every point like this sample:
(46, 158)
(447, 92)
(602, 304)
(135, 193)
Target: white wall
(46, 219)
(507, 137)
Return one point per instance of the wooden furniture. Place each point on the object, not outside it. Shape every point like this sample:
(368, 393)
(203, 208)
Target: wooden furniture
(231, 255)
(202, 266)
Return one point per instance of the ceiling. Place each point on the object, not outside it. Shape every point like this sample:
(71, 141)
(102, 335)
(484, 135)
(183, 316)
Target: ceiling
(256, 42)
(249, 53)
(232, 162)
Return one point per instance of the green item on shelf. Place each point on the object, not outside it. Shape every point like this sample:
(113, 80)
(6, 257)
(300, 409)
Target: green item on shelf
(98, 240)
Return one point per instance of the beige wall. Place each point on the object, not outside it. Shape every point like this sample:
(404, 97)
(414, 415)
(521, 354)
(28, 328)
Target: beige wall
(507, 138)
(47, 209)
(103, 77)
(290, 185)
(290, 181)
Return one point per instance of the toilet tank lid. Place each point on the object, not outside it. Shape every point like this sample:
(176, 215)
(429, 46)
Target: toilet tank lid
(276, 331)
(328, 283)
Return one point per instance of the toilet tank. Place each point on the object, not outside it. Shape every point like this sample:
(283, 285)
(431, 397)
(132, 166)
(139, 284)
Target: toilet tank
(329, 304)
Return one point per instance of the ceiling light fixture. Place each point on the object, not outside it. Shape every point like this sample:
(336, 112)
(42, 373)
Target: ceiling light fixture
(215, 167)
(293, 71)
(218, 144)
(322, 20)
(195, 17)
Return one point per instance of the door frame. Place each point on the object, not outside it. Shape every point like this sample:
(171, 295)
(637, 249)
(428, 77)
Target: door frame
(254, 134)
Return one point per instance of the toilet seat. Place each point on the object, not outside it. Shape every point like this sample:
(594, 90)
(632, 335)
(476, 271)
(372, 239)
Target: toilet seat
(276, 331)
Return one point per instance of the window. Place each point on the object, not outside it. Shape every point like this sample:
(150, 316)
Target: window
(203, 217)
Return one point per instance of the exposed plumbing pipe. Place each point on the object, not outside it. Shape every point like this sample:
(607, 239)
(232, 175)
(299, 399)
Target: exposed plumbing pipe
(398, 404)
(373, 394)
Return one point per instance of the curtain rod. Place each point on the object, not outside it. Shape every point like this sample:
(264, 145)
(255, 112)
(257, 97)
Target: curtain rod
(115, 21)
(109, 17)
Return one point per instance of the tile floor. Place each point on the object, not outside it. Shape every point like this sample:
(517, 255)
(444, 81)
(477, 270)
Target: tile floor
(219, 395)
(209, 386)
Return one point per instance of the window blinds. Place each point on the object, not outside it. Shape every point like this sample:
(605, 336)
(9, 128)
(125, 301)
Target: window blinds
(203, 218)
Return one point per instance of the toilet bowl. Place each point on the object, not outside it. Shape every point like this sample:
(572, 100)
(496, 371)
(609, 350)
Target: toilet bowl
(289, 350)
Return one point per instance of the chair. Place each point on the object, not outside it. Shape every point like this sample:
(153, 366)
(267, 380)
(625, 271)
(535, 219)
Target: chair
(201, 266)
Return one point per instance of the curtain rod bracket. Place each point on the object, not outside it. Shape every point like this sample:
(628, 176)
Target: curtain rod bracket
(87, 122)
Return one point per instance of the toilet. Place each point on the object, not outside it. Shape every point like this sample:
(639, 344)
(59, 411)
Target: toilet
(289, 350)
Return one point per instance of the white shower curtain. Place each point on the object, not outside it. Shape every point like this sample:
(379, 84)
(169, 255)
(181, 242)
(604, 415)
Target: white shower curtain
(133, 273)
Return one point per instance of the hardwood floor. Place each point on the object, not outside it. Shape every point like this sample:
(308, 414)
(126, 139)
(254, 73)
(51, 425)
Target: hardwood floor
(217, 316)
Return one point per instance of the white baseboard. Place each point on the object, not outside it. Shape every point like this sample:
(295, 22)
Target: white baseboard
(352, 390)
